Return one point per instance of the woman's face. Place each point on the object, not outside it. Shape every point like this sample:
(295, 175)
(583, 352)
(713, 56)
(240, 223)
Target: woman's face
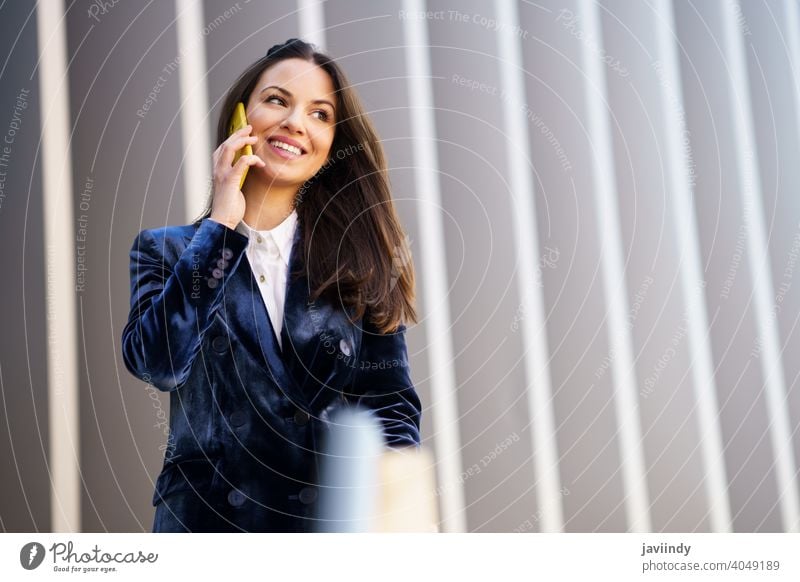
(293, 101)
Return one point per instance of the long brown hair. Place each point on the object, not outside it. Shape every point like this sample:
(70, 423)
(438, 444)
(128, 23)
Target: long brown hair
(360, 256)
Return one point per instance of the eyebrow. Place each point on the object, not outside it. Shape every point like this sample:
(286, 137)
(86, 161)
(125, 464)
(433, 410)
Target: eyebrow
(290, 95)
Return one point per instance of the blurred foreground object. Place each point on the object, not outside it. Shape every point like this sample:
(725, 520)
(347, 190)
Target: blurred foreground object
(368, 487)
(407, 502)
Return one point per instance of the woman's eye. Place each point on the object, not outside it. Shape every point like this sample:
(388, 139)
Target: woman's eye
(323, 114)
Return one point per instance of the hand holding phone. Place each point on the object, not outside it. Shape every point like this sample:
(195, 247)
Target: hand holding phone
(230, 163)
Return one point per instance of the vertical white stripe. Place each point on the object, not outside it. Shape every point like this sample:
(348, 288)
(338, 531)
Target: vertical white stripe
(312, 22)
(792, 22)
(691, 271)
(625, 400)
(434, 269)
(62, 370)
(534, 332)
(758, 259)
(195, 131)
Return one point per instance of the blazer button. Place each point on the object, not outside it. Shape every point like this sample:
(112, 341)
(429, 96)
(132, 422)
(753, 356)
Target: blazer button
(236, 497)
(344, 346)
(238, 418)
(308, 495)
(301, 417)
(227, 253)
(217, 273)
(212, 282)
(222, 264)
(219, 344)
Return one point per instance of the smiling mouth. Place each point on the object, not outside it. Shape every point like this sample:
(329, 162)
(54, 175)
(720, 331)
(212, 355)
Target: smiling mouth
(285, 150)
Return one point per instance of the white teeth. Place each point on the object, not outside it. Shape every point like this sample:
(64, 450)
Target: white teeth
(285, 146)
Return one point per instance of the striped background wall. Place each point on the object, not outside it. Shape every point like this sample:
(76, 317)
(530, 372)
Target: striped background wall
(602, 201)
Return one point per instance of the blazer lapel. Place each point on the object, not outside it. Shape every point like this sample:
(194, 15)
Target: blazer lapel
(249, 320)
(296, 302)
(303, 323)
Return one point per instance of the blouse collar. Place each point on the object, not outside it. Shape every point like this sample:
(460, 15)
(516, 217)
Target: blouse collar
(282, 234)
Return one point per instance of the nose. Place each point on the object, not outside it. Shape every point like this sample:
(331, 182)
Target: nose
(293, 121)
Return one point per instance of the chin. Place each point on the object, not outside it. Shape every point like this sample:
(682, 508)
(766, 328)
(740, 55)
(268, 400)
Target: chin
(280, 177)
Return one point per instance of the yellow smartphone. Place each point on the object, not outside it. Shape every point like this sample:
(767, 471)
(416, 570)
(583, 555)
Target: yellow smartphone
(238, 121)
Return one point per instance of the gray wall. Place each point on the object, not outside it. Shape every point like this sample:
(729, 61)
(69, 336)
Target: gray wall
(23, 422)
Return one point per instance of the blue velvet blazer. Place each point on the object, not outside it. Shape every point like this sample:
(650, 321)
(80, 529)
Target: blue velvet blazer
(247, 419)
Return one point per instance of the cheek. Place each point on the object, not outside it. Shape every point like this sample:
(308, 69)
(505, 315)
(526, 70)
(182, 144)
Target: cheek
(322, 137)
(263, 120)
(322, 147)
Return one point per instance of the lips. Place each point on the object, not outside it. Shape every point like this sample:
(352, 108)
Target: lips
(284, 151)
(287, 141)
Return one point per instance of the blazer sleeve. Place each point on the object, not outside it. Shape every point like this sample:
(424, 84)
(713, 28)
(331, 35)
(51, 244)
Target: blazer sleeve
(382, 384)
(172, 305)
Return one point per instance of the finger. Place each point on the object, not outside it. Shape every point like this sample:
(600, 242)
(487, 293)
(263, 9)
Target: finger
(232, 145)
(236, 134)
(254, 160)
(245, 162)
(235, 176)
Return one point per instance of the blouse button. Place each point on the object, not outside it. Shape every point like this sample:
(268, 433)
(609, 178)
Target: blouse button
(262, 278)
(344, 346)
(259, 239)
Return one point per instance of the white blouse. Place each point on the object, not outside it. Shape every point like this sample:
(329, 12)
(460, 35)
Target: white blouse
(268, 254)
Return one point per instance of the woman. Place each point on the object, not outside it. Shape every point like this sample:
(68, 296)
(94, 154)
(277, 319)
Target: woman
(283, 301)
